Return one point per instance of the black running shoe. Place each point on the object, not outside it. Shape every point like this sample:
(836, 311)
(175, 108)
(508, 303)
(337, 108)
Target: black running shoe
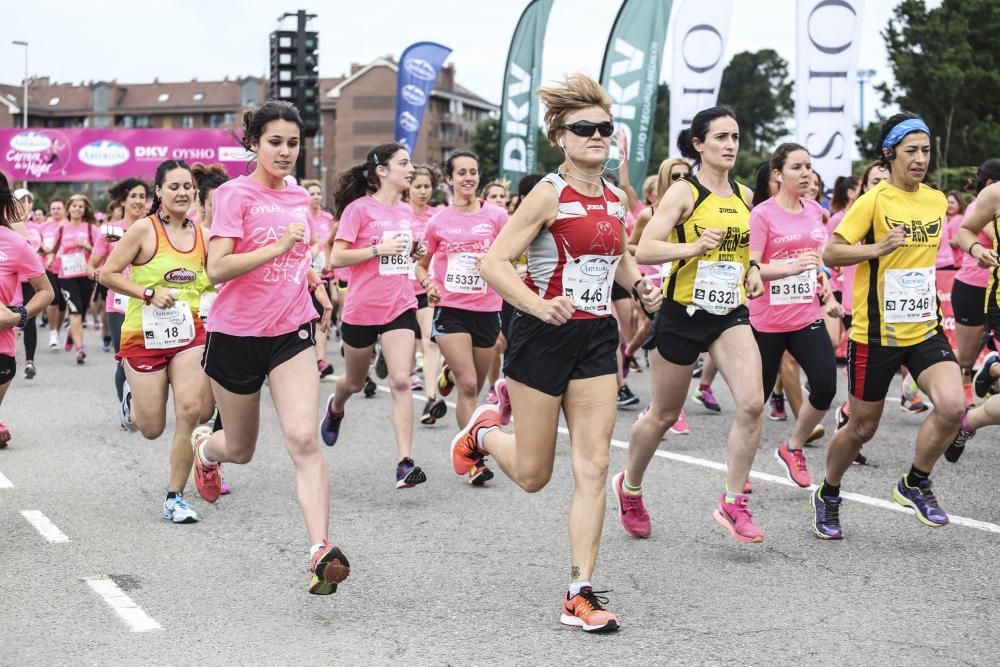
(370, 387)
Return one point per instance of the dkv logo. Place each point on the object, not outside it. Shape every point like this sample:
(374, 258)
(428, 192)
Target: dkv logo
(30, 142)
(104, 153)
(625, 97)
(413, 95)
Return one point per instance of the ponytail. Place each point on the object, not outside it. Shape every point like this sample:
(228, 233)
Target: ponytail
(362, 179)
(10, 208)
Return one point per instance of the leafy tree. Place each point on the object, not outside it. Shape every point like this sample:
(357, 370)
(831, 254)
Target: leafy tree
(757, 86)
(486, 144)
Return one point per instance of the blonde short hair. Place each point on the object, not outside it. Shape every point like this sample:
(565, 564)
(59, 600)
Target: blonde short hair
(575, 92)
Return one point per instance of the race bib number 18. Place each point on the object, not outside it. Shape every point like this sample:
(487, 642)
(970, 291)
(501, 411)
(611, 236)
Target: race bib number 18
(165, 328)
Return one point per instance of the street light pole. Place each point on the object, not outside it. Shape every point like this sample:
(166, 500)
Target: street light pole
(864, 76)
(24, 106)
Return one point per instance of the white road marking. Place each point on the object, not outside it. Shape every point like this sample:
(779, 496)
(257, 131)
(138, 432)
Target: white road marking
(5, 483)
(42, 524)
(131, 613)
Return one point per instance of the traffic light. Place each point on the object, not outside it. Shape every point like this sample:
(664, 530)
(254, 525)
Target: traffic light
(295, 70)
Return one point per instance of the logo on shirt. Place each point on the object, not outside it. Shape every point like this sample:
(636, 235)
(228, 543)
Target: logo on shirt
(818, 234)
(299, 212)
(483, 230)
(788, 238)
(731, 211)
(595, 207)
(3, 257)
(734, 239)
(597, 267)
(180, 276)
(918, 232)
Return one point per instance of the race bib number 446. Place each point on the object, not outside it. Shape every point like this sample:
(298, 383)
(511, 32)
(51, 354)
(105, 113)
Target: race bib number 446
(587, 281)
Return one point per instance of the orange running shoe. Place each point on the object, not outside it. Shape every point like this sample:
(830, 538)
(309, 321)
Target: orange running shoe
(586, 610)
(329, 567)
(465, 452)
(206, 477)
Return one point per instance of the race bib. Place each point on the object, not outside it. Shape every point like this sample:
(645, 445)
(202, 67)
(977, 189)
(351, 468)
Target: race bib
(48, 241)
(665, 269)
(207, 299)
(793, 290)
(164, 328)
(587, 281)
(462, 275)
(119, 302)
(909, 295)
(74, 265)
(317, 263)
(717, 286)
(395, 265)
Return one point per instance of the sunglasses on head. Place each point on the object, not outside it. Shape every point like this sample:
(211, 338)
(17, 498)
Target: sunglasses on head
(676, 176)
(585, 128)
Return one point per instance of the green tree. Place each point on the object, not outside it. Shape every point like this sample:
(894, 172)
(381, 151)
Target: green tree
(947, 70)
(662, 147)
(757, 86)
(486, 144)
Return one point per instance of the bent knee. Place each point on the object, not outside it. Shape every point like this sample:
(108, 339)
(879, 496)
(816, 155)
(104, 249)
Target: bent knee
(151, 432)
(535, 482)
(399, 383)
(302, 443)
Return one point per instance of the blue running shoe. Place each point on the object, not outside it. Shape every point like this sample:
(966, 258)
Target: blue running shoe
(984, 378)
(329, 429)
(826, 516)
(177, 510)
(921, 500)
(409, 474)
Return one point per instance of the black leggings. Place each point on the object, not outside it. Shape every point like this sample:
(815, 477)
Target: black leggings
(115, 321)
(810, 346)
(30, 331)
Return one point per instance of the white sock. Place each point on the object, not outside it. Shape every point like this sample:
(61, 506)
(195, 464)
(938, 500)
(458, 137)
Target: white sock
(201, 454)
(481, 436)
(314, 548)
(574, 588)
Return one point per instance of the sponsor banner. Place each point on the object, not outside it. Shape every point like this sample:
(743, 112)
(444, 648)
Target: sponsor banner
(64, 154)
(631, 72)
(418, 71)
(828, 37)
(700, 31)
(519, 108)
(945, 278)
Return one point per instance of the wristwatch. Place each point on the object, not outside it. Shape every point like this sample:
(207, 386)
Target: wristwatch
(754, 265)
(147, 295)
(374, 249)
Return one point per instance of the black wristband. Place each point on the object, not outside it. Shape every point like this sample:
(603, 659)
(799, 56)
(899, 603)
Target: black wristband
(23, 312)
(754, 265)
(974, 244)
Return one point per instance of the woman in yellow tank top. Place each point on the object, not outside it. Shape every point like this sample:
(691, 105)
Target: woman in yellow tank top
(162, 336)
(702, 225)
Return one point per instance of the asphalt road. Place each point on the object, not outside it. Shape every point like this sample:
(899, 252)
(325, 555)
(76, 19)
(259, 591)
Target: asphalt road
(450, 574)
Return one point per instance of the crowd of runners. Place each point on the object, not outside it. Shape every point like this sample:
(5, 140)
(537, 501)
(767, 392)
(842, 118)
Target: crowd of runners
(540, 298)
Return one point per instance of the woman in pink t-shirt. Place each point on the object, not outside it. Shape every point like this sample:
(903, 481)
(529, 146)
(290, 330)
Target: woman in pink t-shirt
(74, 244)
(375, 239)
(30, 231)
(49, 229)
(320, 225)
(20, 264)
(467, 310)
(262, 327)
(787, 235)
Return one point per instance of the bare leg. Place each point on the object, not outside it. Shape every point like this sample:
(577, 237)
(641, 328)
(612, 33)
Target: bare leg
(943, 384)
(527, 456)
(191, 393)
(397, 347)
(668, 389)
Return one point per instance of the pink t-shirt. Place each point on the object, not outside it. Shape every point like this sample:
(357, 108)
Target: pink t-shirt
(73, 258)
(970, 272)
(456, 241)
(948, 256)
(319, 232)
(273, 299)
(50, 234)
(781, 236)
(18, 264)
(418, 224)
(380, 288)
(114, 303)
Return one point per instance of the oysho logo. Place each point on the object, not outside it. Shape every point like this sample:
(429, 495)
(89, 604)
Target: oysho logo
(596, 268)
(413, 95)
(180, 275)
(420, 68)
(408, 122)
(788, 238)
(30, 142)
(913, 280)
(104, 153)
(725, 272)
(483, 230)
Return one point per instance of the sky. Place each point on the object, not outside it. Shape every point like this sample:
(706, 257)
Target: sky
(135, 40)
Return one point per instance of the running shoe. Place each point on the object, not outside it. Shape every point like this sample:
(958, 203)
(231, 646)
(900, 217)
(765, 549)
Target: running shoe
(921, 500)
(680, 426)
(381, 368)
(503, 401)
(370, 388)
(465, 452)
(29, 370)
(816, 434)
(409, 474)
(826, 516)
(329, 428)
(434, 409)
(698, 366)
(626, 397)
(632, 512)
(4, 435)
(914, 406)
(81, 355)
(419, 362)
(480, 474)
(909, 387)
(586, 610)
(206, 477)
(125, 409)
(842, 416)
(984, 379)
(957, 446)
(491, 395)
(329, 567)
(860, 460)
(416, 384)
(794, 463)
(325, 368)
(970, 395)
(445, 380)
(106, 345)
(738, 519)
(224, 488)
(706, 398)
(68, 345)
(777, 413)
(53, 340)
(748, 487)
(177, 510)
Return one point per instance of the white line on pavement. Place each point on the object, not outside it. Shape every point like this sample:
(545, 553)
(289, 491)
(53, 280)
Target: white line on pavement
(42, 524)
(5, 483)
(127, 610)
(766, 477)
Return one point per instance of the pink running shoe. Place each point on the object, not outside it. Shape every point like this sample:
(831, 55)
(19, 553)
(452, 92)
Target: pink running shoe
(631, 511)
(502, 400)
(680, 426)
(491, 397)
(224, 485)
(4, 435)
(206, 477)
(794, 463)
(737, 518)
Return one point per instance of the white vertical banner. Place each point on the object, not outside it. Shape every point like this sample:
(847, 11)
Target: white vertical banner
(828, 37)
(700, 32)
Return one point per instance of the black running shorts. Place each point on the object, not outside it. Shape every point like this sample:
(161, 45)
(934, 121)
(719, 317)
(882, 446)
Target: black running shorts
(240, 364)
(680, 337)
(871, 368)
(484, 327)
(365, 335)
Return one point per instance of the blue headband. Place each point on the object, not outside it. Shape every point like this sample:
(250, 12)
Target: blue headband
(897, 133)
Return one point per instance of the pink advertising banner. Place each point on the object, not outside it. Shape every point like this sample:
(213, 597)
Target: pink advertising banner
(63, 154)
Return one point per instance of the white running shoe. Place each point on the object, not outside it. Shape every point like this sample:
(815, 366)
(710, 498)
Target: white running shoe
(177, 510)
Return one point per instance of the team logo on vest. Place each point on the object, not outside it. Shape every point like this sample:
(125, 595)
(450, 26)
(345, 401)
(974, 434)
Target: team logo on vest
(180, 276)
(917, 231)
(734, 239)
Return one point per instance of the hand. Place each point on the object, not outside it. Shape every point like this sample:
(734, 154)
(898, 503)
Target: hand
(650, 297)
(397, 245)
(709, 240)
(807, 261)
(986, 257)
(294, 233)
(419, 252)
(825, 289)
(323, 298)
(555, 311)
(163, 298)
(94, 274)
(832, 308)
(896, 238)
(753, 284)
(8, 318)
(622, 139)
(433, 293)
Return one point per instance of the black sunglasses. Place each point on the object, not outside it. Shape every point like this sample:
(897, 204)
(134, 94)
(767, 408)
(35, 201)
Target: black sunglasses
(676, 176)
(585, 128)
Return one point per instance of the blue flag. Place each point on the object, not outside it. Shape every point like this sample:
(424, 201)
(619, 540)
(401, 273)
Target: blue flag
(418, 70)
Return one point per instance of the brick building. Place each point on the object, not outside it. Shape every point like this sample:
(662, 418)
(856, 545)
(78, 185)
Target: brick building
(357, 111)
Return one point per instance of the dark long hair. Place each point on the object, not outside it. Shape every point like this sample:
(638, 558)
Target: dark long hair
(699, 130)
(361, 180)
(161, 175)
(10, 208)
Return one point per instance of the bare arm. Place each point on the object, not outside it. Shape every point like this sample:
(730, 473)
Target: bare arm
(841, 253)
(640, 225)
(675, 206)
(804, 262)
(223, 264)
(986, 209)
